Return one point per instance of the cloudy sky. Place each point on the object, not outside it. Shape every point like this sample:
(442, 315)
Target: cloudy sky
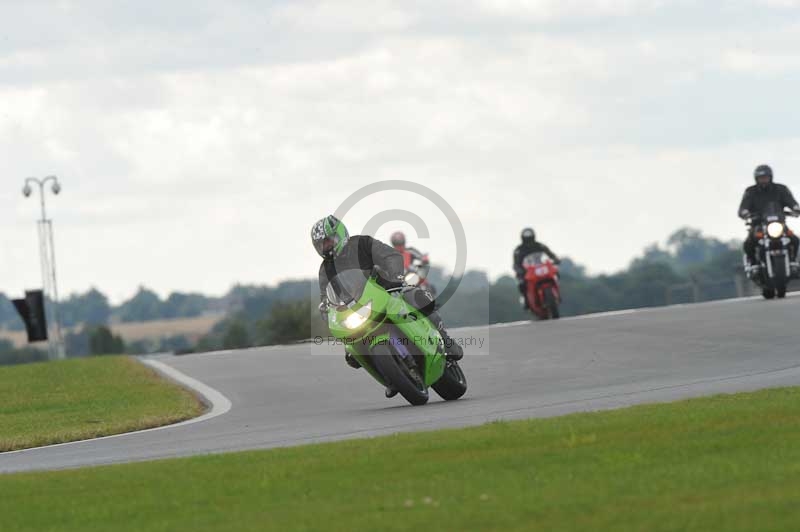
(198, 141)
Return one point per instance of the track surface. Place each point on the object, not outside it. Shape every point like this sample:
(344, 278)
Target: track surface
(293, 395)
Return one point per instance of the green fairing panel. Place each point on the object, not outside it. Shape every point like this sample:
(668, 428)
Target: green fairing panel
(417, 328)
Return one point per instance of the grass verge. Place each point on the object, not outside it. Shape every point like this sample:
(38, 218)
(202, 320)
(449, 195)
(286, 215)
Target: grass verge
(725, 463)
(84, 398)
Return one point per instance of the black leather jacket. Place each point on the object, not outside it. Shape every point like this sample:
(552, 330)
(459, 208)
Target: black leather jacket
(757, 200)
(362, 252)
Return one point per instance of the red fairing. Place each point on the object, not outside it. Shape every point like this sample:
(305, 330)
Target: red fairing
(538, 279)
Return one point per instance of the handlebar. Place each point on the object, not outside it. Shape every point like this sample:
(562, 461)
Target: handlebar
(757, 218)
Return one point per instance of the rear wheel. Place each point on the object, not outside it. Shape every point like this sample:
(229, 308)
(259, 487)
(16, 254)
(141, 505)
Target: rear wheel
(397, 374)
(452, 384)
(551, 304)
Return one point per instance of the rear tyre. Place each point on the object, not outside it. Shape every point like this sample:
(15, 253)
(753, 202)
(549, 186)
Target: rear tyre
(398, 375)
(781, 292)
(551, 304)
(452, 384)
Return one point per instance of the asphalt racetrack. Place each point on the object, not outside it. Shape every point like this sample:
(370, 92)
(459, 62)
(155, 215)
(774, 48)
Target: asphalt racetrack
(281, 396)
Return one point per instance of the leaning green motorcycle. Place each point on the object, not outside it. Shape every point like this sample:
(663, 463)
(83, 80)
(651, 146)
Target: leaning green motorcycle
(394, 341)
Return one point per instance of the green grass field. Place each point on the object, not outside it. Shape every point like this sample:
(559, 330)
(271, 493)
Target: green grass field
(84, 398)
(725, 463)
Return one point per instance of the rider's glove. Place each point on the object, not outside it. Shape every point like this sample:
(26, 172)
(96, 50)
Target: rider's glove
(744, 213)
(385, 280)
(323, 311)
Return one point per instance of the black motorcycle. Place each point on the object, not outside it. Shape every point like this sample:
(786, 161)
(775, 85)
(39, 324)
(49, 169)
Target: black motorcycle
(773, 252)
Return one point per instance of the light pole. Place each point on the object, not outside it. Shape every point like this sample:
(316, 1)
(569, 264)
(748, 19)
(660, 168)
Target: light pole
(47, 253)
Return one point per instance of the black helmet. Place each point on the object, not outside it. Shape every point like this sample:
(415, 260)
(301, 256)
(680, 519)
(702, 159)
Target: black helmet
(528, 236)
(763, 171)
(398, 239)
(329, 236)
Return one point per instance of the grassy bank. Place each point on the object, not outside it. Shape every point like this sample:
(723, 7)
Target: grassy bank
(725, 463)
(83, 398)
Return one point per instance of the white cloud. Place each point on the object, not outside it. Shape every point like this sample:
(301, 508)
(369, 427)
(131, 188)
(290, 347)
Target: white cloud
(196, 152)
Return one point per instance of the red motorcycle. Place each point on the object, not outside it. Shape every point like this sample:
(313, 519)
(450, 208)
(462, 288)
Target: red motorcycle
(542, 290)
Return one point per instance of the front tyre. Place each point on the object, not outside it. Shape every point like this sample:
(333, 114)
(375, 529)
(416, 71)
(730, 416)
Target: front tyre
(407, 381)
(452, 384)
(551, 305)
(780, 277)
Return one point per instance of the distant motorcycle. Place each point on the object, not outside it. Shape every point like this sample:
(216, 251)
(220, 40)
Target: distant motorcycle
(418, 271)
(542, 289)
(772, 252)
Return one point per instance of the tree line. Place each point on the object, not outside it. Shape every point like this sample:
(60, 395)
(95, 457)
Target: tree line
(691, 267)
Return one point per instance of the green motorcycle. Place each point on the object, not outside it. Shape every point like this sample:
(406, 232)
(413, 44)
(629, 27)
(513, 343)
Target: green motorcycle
(394, 341)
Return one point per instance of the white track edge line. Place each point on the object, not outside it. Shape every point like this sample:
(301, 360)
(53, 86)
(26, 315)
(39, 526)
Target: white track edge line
(219, 405)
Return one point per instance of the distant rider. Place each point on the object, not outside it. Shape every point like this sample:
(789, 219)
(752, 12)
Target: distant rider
(413, 259)
(529, 245)
(341, 252)
(410, 255)
(756, 201)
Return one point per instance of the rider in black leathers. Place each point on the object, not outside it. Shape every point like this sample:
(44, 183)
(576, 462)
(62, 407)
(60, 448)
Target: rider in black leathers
(341, 252)
(766, 194)
(529, 245)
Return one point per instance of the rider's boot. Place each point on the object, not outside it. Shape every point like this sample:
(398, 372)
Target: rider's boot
(390, 392)
(452, 350)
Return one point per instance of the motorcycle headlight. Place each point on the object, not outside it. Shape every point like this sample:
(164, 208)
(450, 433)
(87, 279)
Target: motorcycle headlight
(775, 230)
(357, 318)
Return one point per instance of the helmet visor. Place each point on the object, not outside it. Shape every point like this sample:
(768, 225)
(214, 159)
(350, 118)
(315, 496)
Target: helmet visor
(325, 246)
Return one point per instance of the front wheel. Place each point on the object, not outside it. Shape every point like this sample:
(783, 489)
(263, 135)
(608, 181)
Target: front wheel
(780, 277)
(452, 384)
(551, 305)
(406, 380)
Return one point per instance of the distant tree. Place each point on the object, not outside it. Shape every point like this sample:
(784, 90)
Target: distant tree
(692, 248)
(474, 280)
(571, 268)
(77, 343)
(141, 347)
(174, 344)
(289, 322)
(654, 254)
(10, 355)
(8, 314)
(90, 308)
(236, 335)
(180, 305)
(144, 306)
(103, 342)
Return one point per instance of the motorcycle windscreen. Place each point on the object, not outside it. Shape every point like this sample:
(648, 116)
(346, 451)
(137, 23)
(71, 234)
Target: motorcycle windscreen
(347, 286)
(773, 212)
(535, 259)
